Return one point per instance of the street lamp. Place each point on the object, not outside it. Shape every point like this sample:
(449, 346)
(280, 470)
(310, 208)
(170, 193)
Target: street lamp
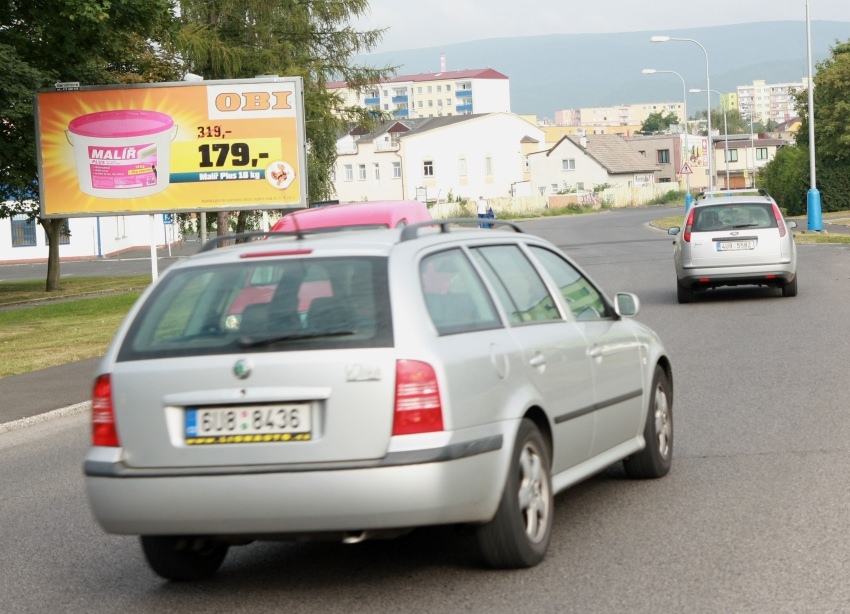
(725, 130)
(665, 39)
(652, 71)
(813, 203)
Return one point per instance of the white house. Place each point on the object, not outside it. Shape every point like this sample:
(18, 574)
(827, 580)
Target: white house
(88, 238)
(464, 156)
(584, 162)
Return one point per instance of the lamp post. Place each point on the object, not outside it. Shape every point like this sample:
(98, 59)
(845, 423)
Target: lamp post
(813, 204)
(725, 131)
(665, 39)
(652, 71)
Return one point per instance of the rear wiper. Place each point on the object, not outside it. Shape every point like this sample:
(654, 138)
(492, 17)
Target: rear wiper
(745, 225)
(247, 342)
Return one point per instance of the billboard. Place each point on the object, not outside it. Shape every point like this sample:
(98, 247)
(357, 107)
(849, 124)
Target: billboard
(171, 147)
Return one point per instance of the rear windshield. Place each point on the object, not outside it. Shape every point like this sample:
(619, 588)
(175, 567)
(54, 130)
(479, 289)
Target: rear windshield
(729, 217)
(284, 305)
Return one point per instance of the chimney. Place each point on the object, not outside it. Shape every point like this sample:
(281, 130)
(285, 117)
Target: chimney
(583, 141)
(442, 62)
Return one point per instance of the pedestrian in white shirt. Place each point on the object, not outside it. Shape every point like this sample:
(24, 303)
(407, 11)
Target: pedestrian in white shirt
(482, 211)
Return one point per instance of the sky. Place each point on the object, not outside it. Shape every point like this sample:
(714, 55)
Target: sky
(414, 25)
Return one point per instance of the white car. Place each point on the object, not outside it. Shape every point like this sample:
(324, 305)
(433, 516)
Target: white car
(732, 238)
(388, 380)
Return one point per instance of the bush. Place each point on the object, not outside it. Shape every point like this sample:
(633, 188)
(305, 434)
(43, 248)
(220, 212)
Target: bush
(786, 179)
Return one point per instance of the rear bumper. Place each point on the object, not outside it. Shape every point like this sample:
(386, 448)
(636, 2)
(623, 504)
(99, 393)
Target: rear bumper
(711, 277)
(265, 501)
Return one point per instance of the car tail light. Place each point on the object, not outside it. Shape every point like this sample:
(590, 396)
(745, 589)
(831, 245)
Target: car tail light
(418, 408)
(779, 222)
(688, 224)
(102, 414)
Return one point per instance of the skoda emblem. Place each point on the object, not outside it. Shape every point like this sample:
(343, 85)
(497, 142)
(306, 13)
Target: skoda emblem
(242, 369)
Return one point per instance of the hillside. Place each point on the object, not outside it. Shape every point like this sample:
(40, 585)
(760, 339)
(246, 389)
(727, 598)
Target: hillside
(555, 72)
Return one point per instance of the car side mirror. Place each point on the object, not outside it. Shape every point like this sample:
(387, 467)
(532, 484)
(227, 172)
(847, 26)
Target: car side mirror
(673, 231)
(791, 224)
(626, 304)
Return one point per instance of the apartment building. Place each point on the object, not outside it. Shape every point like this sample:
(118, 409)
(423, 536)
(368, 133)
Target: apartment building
(769, 101)
(441, 94)
(622, 115)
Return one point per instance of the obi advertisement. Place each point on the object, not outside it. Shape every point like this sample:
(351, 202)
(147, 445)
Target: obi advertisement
(169, 147)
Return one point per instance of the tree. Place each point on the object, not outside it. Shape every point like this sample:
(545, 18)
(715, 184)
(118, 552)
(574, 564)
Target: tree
(93, 42)
(658, 122)
(230, 39)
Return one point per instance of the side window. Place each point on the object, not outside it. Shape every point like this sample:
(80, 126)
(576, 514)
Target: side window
(520, 290)
(455, 296)
(583, 298)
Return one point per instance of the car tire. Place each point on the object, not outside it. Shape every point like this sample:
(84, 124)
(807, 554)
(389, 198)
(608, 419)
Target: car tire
(183, 559)
(684, 294)
(518, 535)
(790, 289)
(655, 459)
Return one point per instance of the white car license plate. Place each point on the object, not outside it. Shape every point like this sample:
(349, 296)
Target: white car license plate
(731, 246)
(255, 424)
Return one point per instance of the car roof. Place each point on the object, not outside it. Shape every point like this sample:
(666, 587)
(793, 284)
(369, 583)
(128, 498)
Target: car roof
(377, 242)
(733, 197)
(387, 212)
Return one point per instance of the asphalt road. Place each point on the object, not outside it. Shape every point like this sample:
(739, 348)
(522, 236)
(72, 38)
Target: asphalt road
(752, 518)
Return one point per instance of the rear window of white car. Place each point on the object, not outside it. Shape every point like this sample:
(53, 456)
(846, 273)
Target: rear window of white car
(734, 217)
(281, 305)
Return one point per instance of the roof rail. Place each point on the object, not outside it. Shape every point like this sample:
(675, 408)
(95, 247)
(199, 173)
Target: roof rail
(411, 232)
(247, 237)
(732, 192)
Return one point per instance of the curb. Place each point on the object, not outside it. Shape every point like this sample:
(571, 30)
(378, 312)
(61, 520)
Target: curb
(51, 415)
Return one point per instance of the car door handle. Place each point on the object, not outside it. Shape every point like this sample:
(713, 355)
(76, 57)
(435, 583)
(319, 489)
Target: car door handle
(538, 360)
(595, 352)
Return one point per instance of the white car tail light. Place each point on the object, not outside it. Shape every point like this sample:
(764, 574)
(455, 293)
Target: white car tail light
(688, 225)
(779, 222)
(418, 408)
(102, 414)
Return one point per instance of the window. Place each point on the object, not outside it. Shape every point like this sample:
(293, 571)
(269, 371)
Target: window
(23, 231)
(643, 153)
(761, 153)
(361, 172)
(461, 167)
(583, 298)
(568, 164)
(731, 155)
(430, 103)
(448, 102)
(419, 104)
(348, 172)
(429, 89)
(663, 156)
(419, 90)
(526, 164)
(519, 289)
(554, 188)
(376, 172)
(488, 165)
(455, 295)
(428, 168)
(64, 234)
(448, 88)
(439, 88)
(396, 170)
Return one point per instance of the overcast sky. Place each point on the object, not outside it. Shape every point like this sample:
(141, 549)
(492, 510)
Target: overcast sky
(412, 25)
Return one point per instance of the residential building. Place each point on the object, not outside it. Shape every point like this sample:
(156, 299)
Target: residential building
(744, 155)
(442, 94)
(556, 133)
(465, 156)
(622, 115)
(774, 101)
(88, 238)
(577, 163)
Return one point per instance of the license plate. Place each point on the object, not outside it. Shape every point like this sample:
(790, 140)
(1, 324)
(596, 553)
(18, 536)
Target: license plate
(256, 424)
(731, 246)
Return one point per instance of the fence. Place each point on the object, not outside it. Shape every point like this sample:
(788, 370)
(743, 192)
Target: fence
(618, 197)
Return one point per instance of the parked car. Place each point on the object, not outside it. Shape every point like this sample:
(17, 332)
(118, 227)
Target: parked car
(449, 376)
(373, 214)
(732, 238)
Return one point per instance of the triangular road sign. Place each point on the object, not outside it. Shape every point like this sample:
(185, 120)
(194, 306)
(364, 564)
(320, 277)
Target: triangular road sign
(686, 169)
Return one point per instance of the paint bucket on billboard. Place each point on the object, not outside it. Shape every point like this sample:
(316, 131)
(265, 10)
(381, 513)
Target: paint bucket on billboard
(122, 154)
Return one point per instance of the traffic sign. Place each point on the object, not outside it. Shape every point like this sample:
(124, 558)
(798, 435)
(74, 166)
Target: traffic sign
(686, 169)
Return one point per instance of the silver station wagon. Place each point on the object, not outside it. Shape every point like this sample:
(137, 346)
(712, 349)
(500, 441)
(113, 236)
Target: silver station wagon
(357, 385)
(732, 238)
